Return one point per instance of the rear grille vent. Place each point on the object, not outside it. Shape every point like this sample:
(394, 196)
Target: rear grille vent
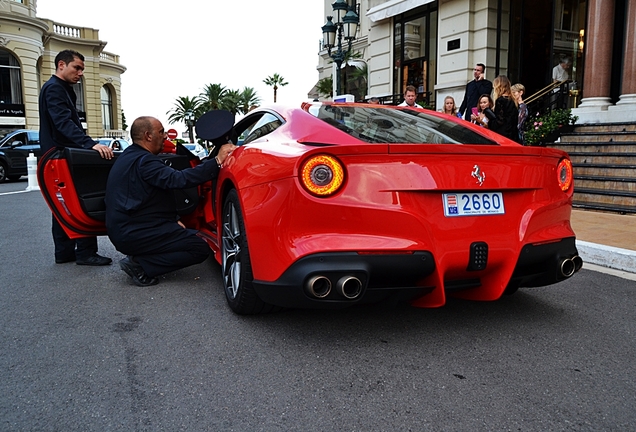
(478, 256)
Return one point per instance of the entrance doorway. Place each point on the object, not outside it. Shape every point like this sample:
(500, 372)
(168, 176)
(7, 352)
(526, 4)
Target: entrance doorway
(415, 50)
(539, 45)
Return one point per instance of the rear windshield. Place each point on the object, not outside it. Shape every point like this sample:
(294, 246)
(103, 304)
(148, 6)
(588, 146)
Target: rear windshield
(389, 125)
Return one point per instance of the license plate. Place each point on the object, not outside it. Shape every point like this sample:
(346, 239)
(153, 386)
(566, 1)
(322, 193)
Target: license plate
(473, 204)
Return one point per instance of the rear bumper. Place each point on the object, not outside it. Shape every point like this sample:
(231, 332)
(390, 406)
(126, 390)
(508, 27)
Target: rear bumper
(540, 265)
(380, 276)
(401, 277)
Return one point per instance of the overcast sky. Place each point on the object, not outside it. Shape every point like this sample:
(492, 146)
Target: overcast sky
(175, 51)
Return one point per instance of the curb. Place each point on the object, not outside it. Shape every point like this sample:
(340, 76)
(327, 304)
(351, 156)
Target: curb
(607, 256)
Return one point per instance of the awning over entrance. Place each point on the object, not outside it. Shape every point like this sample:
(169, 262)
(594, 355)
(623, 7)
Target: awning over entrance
(313, 93)
(394, 7)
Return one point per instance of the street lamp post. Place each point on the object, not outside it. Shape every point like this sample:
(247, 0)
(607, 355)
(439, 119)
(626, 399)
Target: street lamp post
(189, 119)
(345, 26)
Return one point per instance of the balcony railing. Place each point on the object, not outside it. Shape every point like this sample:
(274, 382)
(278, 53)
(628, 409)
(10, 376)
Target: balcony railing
(68, 31)
(109, 57)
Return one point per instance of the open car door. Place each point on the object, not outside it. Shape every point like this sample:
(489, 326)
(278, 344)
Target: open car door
(73, 183)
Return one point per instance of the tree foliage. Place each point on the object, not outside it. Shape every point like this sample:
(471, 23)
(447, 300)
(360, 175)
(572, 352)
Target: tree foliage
(542, 129)
(183, 105)
(231, 101)
(248, 100)
(212, 97)
(325, 87)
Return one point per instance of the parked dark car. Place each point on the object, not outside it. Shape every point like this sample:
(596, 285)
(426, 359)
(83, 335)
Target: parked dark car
(14, 150)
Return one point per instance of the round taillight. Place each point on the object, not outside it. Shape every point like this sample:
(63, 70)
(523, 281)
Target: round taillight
(322, 175)
(564, 174)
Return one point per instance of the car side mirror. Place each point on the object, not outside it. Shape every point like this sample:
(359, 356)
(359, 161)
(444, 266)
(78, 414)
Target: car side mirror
(16, 144)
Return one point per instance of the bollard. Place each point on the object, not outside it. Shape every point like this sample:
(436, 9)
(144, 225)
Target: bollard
(32, 172)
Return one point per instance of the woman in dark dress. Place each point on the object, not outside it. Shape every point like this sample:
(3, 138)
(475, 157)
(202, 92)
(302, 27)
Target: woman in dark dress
(505, 115)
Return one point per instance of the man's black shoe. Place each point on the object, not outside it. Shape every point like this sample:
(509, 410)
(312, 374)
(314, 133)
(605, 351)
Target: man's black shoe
(137, 273)
(95, 260)
(64, 260)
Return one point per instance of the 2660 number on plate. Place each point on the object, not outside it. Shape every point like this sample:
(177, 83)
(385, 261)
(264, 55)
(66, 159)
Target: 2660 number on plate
(473, 204)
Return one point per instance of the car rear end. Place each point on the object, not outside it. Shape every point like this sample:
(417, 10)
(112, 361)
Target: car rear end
(420, 221)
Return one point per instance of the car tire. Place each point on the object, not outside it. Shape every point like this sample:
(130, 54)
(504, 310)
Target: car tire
(3, 172)
(236, 266)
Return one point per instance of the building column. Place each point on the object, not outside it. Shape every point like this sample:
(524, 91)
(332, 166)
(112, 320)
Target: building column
(598, 57)
(627, 101)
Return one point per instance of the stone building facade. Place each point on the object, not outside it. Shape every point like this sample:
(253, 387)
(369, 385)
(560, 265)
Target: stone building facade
(28, 46)
(434, 45)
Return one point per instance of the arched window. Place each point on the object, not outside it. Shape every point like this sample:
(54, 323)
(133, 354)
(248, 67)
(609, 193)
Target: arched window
(10, 80)
(107, 108)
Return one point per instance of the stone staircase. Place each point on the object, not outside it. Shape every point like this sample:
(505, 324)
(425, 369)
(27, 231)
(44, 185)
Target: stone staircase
(604, 160)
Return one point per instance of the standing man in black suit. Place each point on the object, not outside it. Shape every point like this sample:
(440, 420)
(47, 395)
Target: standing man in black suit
(474, 89)
(60, 126)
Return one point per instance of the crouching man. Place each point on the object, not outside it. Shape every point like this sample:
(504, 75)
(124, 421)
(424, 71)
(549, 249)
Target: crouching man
(141, 216)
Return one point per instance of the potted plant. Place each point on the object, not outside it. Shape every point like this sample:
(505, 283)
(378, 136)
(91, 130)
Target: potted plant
(547, 128)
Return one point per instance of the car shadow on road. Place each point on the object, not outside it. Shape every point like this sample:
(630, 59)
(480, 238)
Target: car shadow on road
(530, 310)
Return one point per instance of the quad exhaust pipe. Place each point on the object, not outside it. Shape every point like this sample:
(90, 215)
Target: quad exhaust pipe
(318, 287)
(569, 266)
(349, 287)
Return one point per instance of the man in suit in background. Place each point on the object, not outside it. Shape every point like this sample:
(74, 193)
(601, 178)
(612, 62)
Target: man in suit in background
(60, 126)
(474, 89)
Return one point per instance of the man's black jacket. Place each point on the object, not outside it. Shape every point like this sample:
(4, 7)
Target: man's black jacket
(60, 125)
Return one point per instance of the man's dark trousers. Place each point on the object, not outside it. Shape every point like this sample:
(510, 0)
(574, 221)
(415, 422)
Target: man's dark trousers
(65, 247)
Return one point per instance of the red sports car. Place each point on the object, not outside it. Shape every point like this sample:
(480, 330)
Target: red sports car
(331, 205)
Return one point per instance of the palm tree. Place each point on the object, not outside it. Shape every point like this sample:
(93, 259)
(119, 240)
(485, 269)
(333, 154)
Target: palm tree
(325, 86)
(357, 81)
(182, 106)
(274, 81)
(248, 100)
(231, 101)
(347, 64)
(212, 97)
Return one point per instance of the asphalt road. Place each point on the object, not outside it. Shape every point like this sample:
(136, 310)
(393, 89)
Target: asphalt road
(82, 349)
